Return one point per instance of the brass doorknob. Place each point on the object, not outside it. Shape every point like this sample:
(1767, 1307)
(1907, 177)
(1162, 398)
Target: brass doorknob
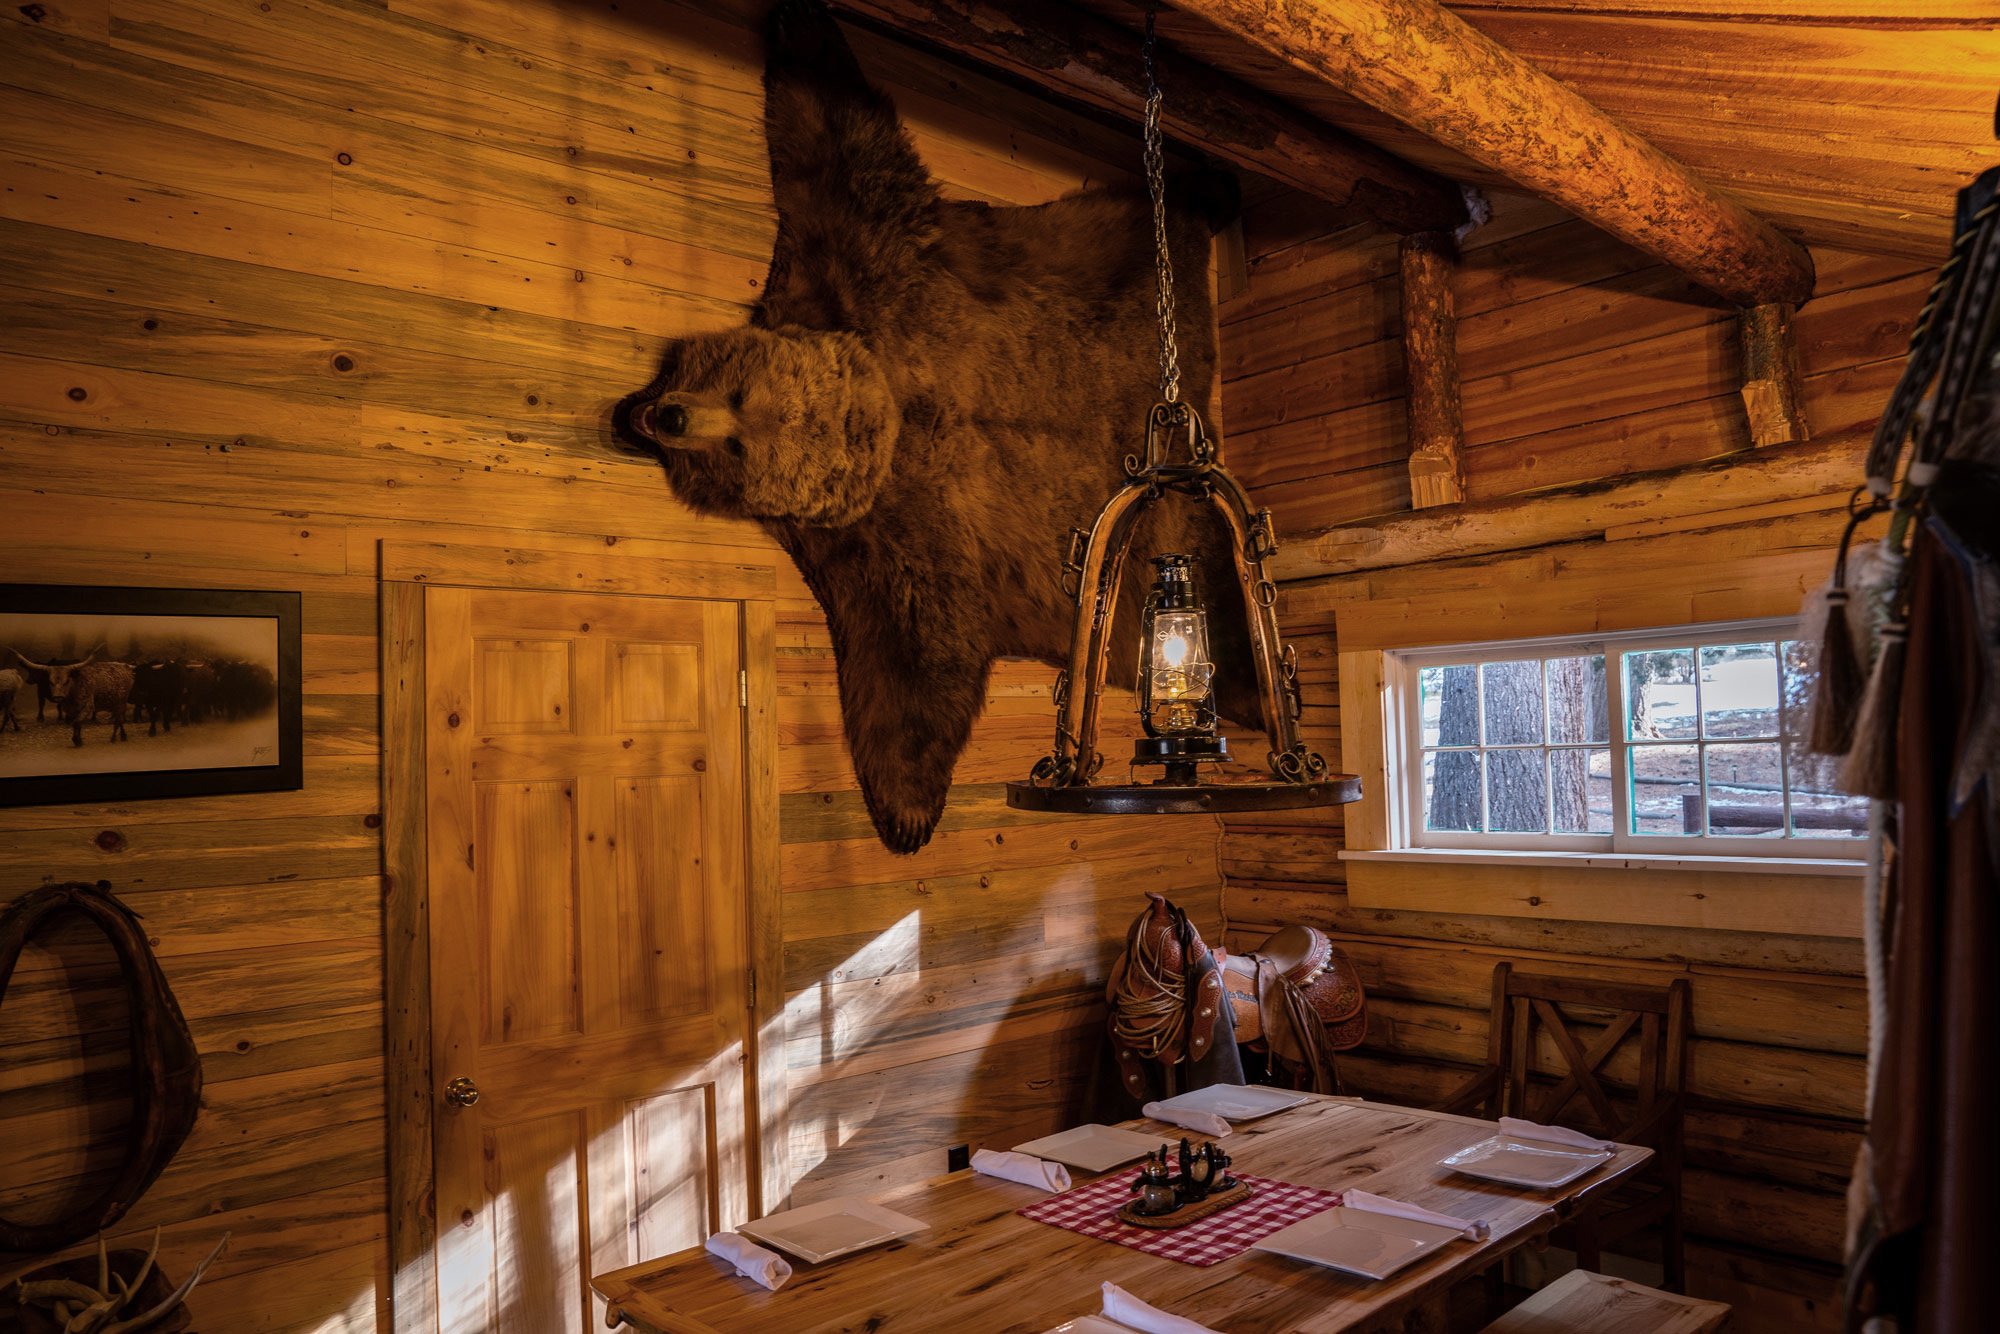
(461, 1092)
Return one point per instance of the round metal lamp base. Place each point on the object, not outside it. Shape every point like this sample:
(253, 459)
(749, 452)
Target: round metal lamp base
(1180, 750)
(1183, 798)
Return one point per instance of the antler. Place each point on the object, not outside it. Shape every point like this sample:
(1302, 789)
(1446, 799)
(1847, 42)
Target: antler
(82, 1309)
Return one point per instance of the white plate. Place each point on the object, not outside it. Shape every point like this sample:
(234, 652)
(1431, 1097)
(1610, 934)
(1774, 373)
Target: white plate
(821, 1231)
(1357, 1242)
(1525, 1162)
(1236, 1102)
(1092, 1148)
(1091, 1324)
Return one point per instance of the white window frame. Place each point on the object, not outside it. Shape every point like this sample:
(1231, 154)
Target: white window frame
(1404, 748)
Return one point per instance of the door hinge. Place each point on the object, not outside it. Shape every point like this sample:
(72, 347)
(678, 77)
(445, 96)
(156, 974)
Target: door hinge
(753, 991)
(743, 688)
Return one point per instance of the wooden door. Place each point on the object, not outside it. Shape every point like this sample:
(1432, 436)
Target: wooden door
(585, 795)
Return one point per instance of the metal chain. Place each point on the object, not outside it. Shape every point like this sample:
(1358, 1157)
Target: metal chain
(1156, 185)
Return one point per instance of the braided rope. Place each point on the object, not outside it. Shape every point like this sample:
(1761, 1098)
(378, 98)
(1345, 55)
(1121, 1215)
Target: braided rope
(1151, 1013)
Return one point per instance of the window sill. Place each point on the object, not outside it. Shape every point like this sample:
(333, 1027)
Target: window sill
(1774, 896)
(1622, 861)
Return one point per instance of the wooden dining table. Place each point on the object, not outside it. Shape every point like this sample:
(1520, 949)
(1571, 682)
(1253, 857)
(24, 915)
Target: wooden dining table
(981, 1268)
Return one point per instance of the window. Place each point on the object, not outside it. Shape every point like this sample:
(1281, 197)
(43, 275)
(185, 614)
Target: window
(1687, 741)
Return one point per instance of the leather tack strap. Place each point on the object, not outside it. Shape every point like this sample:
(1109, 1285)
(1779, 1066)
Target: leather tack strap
(165, 1066)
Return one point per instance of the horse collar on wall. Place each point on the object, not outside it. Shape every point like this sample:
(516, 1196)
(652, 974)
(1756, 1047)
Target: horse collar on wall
(929, 397)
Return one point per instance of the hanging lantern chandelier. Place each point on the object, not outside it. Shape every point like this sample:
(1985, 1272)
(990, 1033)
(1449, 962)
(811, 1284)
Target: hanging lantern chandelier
(1176, 683)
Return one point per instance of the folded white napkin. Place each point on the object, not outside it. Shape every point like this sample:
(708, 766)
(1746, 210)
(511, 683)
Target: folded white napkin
(1575, 1139)
(1475, 1229)
(1022, 1167)
(765, 1268)
(1126, 1309)
(1203, 1123)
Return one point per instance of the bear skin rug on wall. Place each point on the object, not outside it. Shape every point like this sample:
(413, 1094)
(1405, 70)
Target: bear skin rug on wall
(929, 397)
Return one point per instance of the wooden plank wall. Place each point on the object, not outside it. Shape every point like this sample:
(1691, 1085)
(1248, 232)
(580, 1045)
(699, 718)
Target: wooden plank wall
(289, 279)
(1581, 361)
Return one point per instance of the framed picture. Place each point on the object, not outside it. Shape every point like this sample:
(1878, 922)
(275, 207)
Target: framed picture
(114, 694)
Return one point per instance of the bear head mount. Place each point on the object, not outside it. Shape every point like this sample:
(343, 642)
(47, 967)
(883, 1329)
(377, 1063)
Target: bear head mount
(793, 424)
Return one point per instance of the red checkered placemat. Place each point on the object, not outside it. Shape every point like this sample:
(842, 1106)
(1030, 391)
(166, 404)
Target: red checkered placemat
(1093, 1211)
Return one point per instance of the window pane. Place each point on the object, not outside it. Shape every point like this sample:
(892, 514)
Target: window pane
(1581, 780)
(1666, 789)
(1739, 690)
(1819, 808)
(1660, 695)
(1578, 706)
(1512, 702)
(1451, 791)
(1517, 792)
(1450, 701)
(1746, 791)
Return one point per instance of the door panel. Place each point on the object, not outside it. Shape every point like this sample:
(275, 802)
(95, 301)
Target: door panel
(656, 687)
(657, 836)
(670, 1189)
(532, 1181)
(524, 839)
(589, 951)
(525, 685)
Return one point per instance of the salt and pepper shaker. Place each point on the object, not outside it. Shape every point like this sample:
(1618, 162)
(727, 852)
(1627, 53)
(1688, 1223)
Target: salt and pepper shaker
(1197, 1172)
(1203, 1172)
(1155, 1186)
(1218, 1167)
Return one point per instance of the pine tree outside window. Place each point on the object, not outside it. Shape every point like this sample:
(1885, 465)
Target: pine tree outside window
(1685, 741)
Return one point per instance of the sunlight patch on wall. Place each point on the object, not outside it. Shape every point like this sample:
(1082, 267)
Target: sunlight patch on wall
(811, 1022)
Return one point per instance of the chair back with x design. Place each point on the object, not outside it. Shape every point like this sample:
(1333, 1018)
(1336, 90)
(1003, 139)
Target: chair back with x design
(1624, 1080)
(1605, 1057)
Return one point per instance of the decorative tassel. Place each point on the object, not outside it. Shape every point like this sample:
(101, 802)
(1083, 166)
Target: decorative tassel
(1842, 666)
(1837, 697)
(1870, 770)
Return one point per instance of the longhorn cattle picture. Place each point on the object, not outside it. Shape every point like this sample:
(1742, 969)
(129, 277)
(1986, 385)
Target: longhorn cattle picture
(120, 693)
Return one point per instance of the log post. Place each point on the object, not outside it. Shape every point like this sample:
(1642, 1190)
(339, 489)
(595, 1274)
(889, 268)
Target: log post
(1413, 60)
(1078, 55)
(1430, 356)
(1773, 392)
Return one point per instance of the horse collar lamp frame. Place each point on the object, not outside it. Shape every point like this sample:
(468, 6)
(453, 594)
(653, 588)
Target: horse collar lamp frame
(1176, 681)
(1176, 689)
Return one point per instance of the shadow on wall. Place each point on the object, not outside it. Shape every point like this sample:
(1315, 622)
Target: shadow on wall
(898, 1054)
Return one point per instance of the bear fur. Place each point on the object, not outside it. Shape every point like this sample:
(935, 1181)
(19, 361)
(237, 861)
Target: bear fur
(929, 397)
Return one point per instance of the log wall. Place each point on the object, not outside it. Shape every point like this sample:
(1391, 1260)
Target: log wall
(289, 279)
(1582, 361)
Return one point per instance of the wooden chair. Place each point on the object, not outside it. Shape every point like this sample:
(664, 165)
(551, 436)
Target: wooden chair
(1529, 1024)
(1581, 1302)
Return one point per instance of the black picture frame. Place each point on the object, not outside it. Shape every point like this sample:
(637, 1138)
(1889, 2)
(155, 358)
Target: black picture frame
(285, 773)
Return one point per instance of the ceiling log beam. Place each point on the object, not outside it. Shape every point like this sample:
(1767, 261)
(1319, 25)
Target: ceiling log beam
(1076, 55)
(1793, 478)
(1413, 60)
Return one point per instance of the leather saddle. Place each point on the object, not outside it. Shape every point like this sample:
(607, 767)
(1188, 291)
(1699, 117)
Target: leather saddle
(1167, 1004)
(1298, 998)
